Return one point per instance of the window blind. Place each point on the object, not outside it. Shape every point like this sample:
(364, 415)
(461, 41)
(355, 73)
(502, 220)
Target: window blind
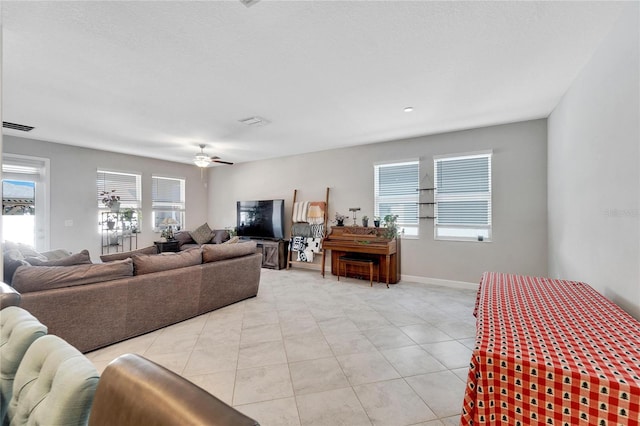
(167, 192)
(14, 167)
(126, 185)
(168, 202)
(396, 193)
(463, 196)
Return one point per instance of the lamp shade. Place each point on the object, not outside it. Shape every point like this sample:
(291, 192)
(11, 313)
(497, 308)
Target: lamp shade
(169, 221)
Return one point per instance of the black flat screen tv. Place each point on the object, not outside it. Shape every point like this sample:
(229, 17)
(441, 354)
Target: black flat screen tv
(261, 219)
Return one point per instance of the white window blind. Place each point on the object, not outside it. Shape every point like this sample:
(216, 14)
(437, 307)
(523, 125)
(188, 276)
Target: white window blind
(18, 167)
(168, 202)
(126, 185)
(463, 197)
(396, 193)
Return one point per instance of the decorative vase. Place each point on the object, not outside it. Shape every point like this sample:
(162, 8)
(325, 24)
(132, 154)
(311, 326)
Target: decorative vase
(341, 222)
(110, 225)
(376, 223)
(365, 223)
(115, 206)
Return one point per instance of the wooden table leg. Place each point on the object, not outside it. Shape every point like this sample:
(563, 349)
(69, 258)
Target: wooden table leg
(388, 268)
(324, 253)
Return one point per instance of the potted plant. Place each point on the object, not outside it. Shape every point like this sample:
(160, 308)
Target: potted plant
(391, 226)
(340, 219)
(365, 221)
(376, 221)
(111, 200)
(127, 214)
(111, 221)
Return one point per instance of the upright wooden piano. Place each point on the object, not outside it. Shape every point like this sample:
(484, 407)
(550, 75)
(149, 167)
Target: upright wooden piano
(365, 241)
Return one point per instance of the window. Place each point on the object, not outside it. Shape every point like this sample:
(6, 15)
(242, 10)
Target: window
(127, 186)
(396, 193)
(463, 197)
(168, 202)
(25, 205)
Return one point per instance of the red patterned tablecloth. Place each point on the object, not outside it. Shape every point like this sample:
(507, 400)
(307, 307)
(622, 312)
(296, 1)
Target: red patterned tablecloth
(551, 352)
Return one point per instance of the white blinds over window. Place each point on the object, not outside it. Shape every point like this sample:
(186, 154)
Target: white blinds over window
(126, 185)
(463, 193)
(395, 193)
(21, 167)
(167, 193)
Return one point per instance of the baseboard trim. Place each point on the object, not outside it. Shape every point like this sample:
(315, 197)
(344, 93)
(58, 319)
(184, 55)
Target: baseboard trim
(438, 281)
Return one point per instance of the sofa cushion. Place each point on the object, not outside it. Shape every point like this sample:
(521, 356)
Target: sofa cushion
(232, 240)
(126, 254)
(24, 249)
(74, 259)
(183, 237)
(220, 236)
(202, 234)
(215, 252)
(56, 254)
(35, 278)
(12, 260)
(149, 263)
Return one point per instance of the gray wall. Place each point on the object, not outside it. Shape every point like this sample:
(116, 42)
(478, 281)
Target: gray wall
(73, 190)
(519, 195)
(594, 183)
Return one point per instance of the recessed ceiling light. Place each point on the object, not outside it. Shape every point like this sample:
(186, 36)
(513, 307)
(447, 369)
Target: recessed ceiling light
(408, 109)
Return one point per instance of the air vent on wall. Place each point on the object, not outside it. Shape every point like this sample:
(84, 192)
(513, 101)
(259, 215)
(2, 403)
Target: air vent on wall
(254, 121)
(15, 126)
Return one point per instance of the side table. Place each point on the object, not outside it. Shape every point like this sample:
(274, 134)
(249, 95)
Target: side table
(166, 246)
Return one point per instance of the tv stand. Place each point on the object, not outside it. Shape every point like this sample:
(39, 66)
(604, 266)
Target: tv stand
(274, 252)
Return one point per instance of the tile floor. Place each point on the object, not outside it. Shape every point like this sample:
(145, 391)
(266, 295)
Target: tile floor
(314, 351)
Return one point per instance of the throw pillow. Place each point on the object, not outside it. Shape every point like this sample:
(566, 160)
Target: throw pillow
(149, 263)
(56, 254)
(13, 259)
(220, 236)
(202, 234)
(24, 249)
(232, 240)
(183, 237)
(74, 259)
(35, 278)
(126, 254)
(215, 252)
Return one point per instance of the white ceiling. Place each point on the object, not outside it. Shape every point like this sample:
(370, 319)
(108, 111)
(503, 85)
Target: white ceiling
(158, 78)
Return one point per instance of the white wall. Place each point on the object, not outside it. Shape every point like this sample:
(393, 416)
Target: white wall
(519, 195)
(594, 158)
(73, 190)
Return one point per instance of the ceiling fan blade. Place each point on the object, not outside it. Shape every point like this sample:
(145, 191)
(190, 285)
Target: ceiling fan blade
(222, 162)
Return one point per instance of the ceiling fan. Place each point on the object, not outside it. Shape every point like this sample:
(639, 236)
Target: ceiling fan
(203, 160)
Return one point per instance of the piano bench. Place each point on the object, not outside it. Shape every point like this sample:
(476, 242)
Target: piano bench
(352, 260)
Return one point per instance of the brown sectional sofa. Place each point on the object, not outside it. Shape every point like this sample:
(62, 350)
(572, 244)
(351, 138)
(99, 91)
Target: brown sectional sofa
(93, 315)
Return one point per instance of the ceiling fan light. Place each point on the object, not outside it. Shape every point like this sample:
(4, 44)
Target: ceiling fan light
(201, 160)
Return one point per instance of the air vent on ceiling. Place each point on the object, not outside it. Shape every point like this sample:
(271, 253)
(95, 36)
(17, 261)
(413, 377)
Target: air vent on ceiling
(254, 121)
(15, 126)
(249, 3)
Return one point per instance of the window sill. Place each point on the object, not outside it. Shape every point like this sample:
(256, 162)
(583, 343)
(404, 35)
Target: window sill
(409, 237)
(464, 240)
